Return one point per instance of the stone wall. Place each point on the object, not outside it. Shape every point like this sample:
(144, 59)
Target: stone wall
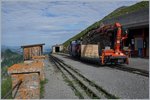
(29, 88)
(30, 73)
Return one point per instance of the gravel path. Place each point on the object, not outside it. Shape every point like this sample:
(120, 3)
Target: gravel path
(56, 88)
(139, 63)
(120, 83)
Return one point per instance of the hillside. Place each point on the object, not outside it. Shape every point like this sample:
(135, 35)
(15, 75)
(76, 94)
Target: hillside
(12, 48)
(118, 12)
(8, 59)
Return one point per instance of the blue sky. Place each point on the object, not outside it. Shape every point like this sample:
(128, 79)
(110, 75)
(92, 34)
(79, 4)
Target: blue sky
(50, 21)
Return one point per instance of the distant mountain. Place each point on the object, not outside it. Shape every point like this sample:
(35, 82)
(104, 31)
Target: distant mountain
(47, 50)
(8, 58)
(19, 50)
(3, 48)
(7, 53)
(12, 48)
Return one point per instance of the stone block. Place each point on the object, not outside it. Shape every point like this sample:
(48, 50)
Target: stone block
(29, 88)
(31, 74)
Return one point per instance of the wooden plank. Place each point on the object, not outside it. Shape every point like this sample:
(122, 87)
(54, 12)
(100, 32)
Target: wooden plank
(90, 50)
(29, 52)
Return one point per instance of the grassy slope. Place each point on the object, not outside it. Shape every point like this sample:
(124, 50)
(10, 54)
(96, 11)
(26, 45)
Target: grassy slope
(116, 13)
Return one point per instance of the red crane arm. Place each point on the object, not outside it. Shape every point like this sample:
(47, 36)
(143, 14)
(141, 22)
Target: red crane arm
(118, 37)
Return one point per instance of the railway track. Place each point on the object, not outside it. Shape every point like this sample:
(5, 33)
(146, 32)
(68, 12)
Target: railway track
(131, 70)
(127, 69)
(82, 86)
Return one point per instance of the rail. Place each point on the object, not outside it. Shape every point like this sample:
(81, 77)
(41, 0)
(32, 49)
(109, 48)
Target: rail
(91, 89)
(127, 69)
(131, 70)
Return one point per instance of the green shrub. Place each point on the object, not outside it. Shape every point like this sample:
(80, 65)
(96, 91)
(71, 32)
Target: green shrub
(6, 85)
(42, 83)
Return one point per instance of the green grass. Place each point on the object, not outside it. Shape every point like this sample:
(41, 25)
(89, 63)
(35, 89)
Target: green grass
(70, 83)
(129, 9)
(116, 13)
(6, 85)
(42, 83)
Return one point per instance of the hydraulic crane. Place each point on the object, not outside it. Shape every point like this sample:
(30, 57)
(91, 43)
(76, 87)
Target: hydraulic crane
(114, 55)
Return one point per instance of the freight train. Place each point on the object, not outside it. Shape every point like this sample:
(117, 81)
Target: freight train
(107, 51)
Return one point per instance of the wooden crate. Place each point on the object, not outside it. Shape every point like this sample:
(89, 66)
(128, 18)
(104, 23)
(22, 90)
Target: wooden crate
(89, 51)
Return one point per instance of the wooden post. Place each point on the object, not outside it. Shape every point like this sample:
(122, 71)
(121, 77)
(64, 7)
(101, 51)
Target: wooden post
(144, 49)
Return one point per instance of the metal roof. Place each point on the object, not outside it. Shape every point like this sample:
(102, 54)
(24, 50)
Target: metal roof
(57, 45)
(24, 46)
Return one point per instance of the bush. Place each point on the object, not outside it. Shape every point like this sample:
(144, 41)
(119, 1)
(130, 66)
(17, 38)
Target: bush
(42, 83)
(6, 85)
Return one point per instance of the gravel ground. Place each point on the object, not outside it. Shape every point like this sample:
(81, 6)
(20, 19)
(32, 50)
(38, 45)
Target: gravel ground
(120, 83)
(139, 63)
(56, 88)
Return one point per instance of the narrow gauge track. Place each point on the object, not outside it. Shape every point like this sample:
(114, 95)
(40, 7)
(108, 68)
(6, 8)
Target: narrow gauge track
(85, 87)
(131, 70)
(127, 69)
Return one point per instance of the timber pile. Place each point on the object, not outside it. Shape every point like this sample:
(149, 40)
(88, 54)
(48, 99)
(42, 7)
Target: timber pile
(101, 36)
(102, 40)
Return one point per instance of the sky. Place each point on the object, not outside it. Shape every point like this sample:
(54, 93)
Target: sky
(51, 22)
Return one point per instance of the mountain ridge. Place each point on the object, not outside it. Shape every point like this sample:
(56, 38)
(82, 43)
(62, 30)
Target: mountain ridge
(117, 12)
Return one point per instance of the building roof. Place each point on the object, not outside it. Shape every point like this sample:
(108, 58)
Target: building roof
(32, 45)
(57, 45)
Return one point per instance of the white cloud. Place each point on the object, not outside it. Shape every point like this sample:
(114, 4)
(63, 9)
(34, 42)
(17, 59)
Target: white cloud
(50, 21)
